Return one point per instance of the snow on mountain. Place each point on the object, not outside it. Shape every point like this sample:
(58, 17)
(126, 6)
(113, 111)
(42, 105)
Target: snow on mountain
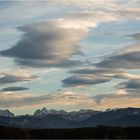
(44, 112)
(6, 113)
(81, 115)
(44, 118)
(74, 115)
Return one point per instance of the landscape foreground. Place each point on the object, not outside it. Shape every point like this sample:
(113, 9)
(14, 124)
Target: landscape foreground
(100, 132)
(123, 123)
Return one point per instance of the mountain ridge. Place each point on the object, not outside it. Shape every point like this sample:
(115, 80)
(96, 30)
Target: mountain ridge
(44, 118)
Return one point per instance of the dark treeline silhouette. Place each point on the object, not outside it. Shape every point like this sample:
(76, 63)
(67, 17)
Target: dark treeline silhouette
(100, 132)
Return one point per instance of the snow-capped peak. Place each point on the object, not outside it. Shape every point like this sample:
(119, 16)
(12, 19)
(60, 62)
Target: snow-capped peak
(74, 115)
(44, 111)
(6, 113)
(40, 113)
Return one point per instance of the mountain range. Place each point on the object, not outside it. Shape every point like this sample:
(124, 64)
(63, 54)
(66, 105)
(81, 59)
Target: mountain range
(44, 118)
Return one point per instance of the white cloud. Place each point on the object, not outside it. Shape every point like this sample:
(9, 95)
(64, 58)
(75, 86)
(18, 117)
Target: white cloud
(87, 19)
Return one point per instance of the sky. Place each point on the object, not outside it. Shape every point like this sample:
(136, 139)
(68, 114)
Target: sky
(69, 54)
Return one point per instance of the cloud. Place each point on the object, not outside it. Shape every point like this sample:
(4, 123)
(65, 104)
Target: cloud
(84, 80)
(25, 11)
(46, 44)
(93, 70)
(126, 13)
(111, 5)
(125, 10)
(87, 19)
(119, 95)
(135, 36)
(90, 76)
(14, 89)
(12, 79)
(118, 102)
(21, 11)
(131, 84)
(127, 58)
(132, 87)
(69, 99)
(112, 73)
(38, 8)
(16, 76)
(129, 89)
(87, 3)
(11, 100)
(53, 43)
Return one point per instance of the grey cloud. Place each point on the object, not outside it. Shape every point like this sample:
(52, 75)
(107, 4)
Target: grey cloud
(129, 89)
(130, 94)
(7, 78)
(53, 43)
(22, 100)
(98, 99)
(135, 36)
(112, 73)
(87, 76)
(131, 84)
(84, 80)
(91, 76)
(127, 58)
(14, 89)
(97, 71)
(11, 79)
(46, 44)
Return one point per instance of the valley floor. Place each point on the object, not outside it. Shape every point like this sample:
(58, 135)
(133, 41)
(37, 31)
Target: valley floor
(100, 132)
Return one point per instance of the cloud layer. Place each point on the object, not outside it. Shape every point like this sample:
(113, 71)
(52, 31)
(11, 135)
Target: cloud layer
(53, 43)
(54, 34)
(16, 76)
(8, 89)
(46, 44)
(60, 98)
(91, 76)
(129, 89)
(84, 80)
(127, 58)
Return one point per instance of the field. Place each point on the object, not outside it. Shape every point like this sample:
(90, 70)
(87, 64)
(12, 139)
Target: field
(100, 132)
